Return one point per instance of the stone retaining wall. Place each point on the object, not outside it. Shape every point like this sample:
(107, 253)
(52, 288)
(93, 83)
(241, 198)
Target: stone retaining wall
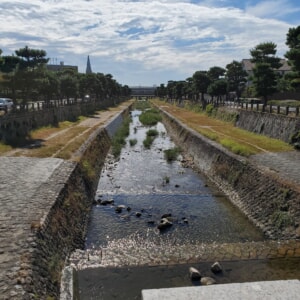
(268, 201)
(16, 126)
(70, 192)
(272, 125)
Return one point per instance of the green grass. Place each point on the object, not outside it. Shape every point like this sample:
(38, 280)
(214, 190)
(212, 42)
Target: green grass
(132, 142)
(150, 117)
(236, 148)
(147, 142)
(172, 154)
(141, 105)
(119, 139)
(152, 132)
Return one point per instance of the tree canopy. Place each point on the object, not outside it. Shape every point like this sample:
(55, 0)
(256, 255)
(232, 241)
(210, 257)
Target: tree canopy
(25, 76)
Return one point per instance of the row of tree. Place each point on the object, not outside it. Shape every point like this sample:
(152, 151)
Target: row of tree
(25, 76)
(231, 81)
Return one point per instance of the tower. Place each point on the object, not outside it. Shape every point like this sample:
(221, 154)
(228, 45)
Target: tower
(88, 66)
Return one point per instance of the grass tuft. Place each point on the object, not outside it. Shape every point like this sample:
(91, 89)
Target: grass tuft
(150, 117)
(172, 154)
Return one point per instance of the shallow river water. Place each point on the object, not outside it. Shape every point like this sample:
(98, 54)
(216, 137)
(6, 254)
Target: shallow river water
(138, 181)
(200, 213)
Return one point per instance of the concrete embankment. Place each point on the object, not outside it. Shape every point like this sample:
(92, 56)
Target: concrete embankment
(45, 205)
(271, 202)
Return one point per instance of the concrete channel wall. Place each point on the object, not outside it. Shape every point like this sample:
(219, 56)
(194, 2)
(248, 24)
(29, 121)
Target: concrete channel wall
(65, 199)
(268, 201)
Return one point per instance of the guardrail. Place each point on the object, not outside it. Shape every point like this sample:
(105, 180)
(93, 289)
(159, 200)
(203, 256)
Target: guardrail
(270, 108)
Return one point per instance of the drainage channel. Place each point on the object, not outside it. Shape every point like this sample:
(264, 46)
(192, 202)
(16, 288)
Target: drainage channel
(127, 252)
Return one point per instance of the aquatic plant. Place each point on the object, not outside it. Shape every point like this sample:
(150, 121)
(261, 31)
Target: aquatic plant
(150, 117)
(172, 154)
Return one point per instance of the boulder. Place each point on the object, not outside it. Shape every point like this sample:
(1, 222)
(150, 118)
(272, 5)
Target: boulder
(185, 220)
(138, 214)
(194, 274)
(207, 281)
(216, 268)
(106, 201)
(119, 208)
(164, 223)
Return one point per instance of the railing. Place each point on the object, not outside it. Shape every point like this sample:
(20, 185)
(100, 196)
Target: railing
(258, 106)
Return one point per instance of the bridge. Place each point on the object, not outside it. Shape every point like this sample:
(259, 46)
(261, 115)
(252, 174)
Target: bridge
(143, 91)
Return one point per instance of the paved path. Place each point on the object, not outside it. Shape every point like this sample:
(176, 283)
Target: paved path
(285, 164)
(27, 186)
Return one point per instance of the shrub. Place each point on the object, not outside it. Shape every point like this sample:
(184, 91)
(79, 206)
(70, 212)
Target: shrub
(148, 141)
(209, 109)
(152, 132)
(172, 154)
(132, 142)
(150, 117)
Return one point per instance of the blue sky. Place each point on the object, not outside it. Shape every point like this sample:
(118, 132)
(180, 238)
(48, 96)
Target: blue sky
(146, 42)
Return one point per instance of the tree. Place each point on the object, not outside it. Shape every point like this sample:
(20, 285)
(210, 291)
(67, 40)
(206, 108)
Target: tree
(218, 88)
(47, 85)
(264, 76)
(265, 53)
(293, 55)
(264, 80)
(161, 91)
(236, 77)
(26, 75)
(171, 89)
(31, 58)
(201, 81)
(215, 73)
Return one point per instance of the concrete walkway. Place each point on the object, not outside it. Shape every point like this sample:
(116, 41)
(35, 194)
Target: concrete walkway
(263, 290)
(283, 164)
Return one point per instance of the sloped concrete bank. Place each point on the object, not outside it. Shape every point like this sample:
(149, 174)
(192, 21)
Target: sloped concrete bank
(67, 199)
(270, 203)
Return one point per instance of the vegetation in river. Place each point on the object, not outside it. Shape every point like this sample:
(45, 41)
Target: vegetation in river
(151, 135)
(166, 179)
(150, 117)
(132, 142)
(119, 139)
(141, 105)
(172, 154)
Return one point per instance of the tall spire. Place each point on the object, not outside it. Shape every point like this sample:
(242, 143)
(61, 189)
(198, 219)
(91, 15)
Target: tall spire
(88, 66)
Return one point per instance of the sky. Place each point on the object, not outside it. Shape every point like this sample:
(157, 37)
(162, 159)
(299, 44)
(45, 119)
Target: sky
(146, 43)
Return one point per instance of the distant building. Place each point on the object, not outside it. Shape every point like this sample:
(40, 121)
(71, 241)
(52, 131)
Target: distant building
(248, 66)
(143, 90)
(61, 67)
(88, 66)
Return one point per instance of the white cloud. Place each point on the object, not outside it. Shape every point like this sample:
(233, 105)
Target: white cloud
(271, 8)
(155, 36)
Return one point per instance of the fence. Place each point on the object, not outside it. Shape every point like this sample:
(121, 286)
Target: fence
(257, 106)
